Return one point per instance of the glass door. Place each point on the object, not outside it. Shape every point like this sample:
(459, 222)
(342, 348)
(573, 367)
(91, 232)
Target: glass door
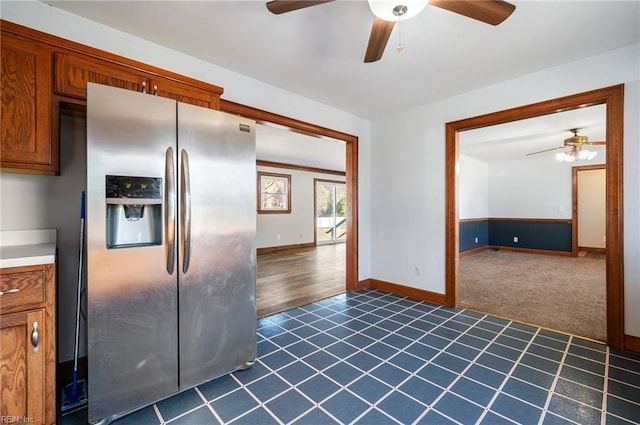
(331, 211)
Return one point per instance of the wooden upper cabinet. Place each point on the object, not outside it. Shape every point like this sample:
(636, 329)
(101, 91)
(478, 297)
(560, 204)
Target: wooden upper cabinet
(40, 71)
(73, 72)
(184, 93)
(26, 106)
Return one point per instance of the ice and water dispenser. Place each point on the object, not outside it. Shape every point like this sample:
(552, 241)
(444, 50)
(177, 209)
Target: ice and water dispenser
(134, 211)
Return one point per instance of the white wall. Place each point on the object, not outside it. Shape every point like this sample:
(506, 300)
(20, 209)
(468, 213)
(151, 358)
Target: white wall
(473, 193)
(297, 227)
(531, 188)
(27, 193)
(23, 202)
(408, 160)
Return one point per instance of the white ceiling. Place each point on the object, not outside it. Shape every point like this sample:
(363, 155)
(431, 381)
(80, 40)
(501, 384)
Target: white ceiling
(278, 145)
(514, 140)
(318, 52)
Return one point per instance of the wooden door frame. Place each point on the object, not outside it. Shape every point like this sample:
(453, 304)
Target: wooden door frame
(613, 98)
(574, 202)
(292, 124)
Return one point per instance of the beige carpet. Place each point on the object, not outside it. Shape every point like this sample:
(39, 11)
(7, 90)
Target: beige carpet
(562, 293)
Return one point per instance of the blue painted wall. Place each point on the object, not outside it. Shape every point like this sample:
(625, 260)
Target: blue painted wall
(531, 235)
(471, 230)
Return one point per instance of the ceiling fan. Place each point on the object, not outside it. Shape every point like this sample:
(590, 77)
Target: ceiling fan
(576, 148)
(387, 13)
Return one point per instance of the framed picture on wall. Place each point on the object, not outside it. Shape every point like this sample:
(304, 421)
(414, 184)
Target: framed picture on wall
(274, 193)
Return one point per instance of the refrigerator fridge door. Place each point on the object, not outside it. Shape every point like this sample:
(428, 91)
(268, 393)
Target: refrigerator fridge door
(216, 239)
(132, 297)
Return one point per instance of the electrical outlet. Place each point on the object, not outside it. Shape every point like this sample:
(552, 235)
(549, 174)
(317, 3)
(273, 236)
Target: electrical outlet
(278, 237)
(515, 239)
(476, 240)
(418, 271)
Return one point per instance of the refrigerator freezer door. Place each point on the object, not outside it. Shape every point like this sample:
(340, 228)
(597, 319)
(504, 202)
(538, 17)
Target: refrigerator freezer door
(217, 213)
(132, 298)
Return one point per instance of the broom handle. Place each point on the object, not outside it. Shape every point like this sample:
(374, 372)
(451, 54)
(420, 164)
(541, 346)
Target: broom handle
(77, 336)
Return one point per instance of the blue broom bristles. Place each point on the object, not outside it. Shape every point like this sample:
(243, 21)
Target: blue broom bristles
(74, 394)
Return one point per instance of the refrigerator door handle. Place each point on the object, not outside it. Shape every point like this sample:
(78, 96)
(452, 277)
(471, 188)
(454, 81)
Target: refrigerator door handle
(185, 212)
(170, 210)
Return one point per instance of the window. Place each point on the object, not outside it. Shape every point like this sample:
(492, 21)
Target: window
(331, 211)
(274, 193)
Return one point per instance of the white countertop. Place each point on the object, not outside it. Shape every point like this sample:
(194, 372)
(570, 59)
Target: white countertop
(27, 247)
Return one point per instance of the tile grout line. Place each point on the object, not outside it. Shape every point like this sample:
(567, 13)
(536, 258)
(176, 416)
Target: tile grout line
(384, 361)
(552, 388)
(508, 375)
(605, 387)
(459, 374)
(392, 389)
(209, 406)
(158, 414)
(320, 372)
(377, 309)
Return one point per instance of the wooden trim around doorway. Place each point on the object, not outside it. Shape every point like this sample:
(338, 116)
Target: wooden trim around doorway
(613, 98)
(292, 124)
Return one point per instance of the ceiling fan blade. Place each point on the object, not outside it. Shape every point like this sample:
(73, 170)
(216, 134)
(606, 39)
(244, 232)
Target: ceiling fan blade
(546, 150)
(489, 11)
(380, 33)
(283, 6)
(598, 143)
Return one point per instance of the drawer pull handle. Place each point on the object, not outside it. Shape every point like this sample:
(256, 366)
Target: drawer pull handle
(155, 90)
(10, 291)
(35, 337)
(144, 87)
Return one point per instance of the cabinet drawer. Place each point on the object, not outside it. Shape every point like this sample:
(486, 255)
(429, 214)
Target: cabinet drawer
(22, 288)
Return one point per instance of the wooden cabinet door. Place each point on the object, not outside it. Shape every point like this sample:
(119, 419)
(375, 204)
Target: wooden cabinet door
(72, 73)
(184, 93)
(26, 106)
(22, 367)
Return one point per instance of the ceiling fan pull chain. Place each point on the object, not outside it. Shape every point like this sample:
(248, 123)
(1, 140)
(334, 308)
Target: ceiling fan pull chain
(400, 47)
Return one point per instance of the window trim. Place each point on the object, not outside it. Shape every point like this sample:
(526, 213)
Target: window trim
(284, 177)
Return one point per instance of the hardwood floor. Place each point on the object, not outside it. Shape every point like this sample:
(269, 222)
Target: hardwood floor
(295, 277)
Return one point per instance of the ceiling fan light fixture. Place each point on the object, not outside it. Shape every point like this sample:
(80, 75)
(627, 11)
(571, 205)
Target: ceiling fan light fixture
(585, 154)
(566, 156)
(396, 10)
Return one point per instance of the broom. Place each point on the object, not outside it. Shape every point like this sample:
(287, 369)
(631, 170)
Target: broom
(74, 394)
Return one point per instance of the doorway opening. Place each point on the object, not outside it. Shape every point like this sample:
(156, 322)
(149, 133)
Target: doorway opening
(612, 97)
(351, 282)
(589, 194)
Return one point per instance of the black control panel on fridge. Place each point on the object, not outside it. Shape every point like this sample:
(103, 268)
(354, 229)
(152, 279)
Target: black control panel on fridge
(134, 187)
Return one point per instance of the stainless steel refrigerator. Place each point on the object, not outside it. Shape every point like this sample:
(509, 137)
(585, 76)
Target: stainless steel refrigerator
(171, 221)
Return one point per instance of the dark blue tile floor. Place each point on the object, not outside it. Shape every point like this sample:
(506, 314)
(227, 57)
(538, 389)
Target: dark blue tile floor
(376, 358)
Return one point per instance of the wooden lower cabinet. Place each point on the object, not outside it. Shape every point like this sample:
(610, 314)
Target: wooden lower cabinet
(27, 345)
(22, 365)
